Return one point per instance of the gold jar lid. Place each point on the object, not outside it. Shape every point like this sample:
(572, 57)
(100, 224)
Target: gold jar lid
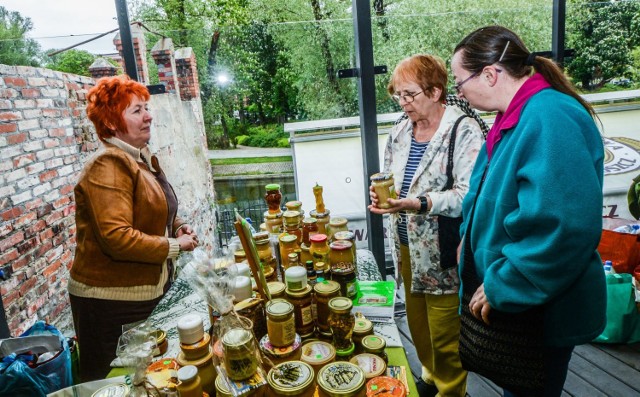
(318, 353)
(362, 326)
(341, 379)
(344, 235)
(338, 221)
(160, 336)
(381, 176)
(236, 339)
(247, 303)
(373, 344)
(327, 287)
(290, 378)
(340, 305)
(239, 254)
(341, 245)
(288, 238)
(291, 218)
(371, 364)
(275, 287)
(319, 215)
(221, 388)
(309, 221)
(293, 205)
(261, 237)
(279, 308)
(299, 294)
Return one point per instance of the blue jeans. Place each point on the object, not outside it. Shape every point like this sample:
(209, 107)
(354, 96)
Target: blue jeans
(556, 366)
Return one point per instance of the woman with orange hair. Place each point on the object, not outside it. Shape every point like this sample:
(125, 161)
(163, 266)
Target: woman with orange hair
(128, 232)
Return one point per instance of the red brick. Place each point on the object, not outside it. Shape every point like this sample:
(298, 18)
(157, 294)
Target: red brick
(33, 204)
(17, 138)
(20, 263)
(49, 270)
(11, 213)
(27, 245)
(48, 175)
(10, 241)
(25, 219)
(11, 297)
(30, 92)
(8, 127)
(57, 132)
(8, 256)
(5, 116)
(21, 161)
(46, 234)
(43, 249)
(15, 81)
(61, 202)
(28, 285)
(34, 229)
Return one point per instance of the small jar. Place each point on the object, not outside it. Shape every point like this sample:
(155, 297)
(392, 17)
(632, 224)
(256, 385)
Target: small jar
(362, 328)
(341, 256)
(293, 260)
(301, 300)
(293, 378)
(279, 355)
(337, 224)
(375, 385)
(322, 220)
(242, 289)
(276, 289)
(309, 228)
(375, 344)
(341, 322)
(239, 354)
(281, 325)
(341, 379)
(273, 222)
(319, 248)
(296, 278)
(196, 351)
(253, 309)
(383, 186)
(206, 369)
(324, 292)
(292, 224)
(190, 329)
(347, 236)
(318, 354)
(190, 385)
(311, 273)
(267, 259)
(348, 282)
(288, 245)
(239, 256)
(273, 197)
(162, 344)
(371, 364)
(305, 254)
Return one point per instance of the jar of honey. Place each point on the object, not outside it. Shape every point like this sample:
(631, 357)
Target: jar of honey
(375, 344)
(383, 186)
(347, 280)
(267, 259)
(341, 256)
(273, 222)
(301, 301)
(239, 349)
(342, 379)
(288, 245)
(273, 197)
(362, 328)
(309, 228)
(281, 325)
(341, 322)
(347, 236)
(291, 221)
(324, 292)
(294, 205)
(322, 220)
(292, 378)
(319, 248)
(337, 224)
(305, 254)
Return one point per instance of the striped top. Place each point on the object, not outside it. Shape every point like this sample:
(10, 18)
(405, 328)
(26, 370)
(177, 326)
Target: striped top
(415, 156)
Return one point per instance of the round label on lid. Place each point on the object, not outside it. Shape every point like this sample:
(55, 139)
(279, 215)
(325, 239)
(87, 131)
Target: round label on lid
(279, 307)
(326, 287)
(293, 205)
(288, 238)
(338, 221)
(362, 325)
(340, 304)
(344, 235)
(341, 377)
(236, 338)
(374, 343)
(371, 364)
(275, 287)
(341, 245)
(290, 376)
(317, 352)
(309, 221)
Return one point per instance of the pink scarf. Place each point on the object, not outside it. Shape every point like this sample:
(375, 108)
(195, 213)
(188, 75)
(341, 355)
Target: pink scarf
(510, 118)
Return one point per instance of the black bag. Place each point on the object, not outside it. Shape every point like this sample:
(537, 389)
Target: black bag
(449, 228)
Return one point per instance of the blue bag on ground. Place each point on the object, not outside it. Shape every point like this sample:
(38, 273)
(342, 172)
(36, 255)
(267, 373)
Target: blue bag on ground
(623, 320)
(18, 378)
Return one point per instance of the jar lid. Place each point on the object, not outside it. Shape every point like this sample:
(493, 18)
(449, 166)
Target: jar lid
(362, 326)
(309, 221)
(261, 236)
(318, 353)
(296, 278)
(303, 247)
(326, 287)
(247, 303)
(341, 245)
(299, 293)
(381, 176)
(341, 378)
(374, 343)
(344, 235)
(113, 390)
(275, 287)
(160, 336)
(318, 238)
(221, 388)
(338, 221)
(279, 308)
(382, 385)
(293, 205)
(291, 216)
(199, 345)
(272, 186)
(279, 352)
(190, 328)
(187, 373)
(371, 364)
(290, 378)
(319, 215)
(288, 238)
(163, 364)
(346, 352)
(236, 338)
(340, 304)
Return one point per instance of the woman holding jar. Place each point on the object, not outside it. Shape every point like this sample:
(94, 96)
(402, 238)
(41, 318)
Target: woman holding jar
(418, 154)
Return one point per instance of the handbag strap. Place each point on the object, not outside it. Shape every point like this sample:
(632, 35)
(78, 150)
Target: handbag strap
(452, 148)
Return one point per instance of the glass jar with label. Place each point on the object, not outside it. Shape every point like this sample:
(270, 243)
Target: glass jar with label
(383, 186)
(291, 221)
(347, 280)
(301, 301)
(342, 379)
(273, 197)
(305, 254)
(309, 228)
(288, 245)
(267, 259)
(347, 236)
(296, 278)
(341, 256)
(375, 344)
(281, 325)
(362, 328)
(319, 248)
(292, 378)
(337, 224)
(273, 222)
(324, 292)
(253, 309)
(322, 220)
(341, 322)
(239, 349)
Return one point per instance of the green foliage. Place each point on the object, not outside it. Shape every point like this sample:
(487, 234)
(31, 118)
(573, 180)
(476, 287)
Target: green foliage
(72, 61)
(15, 48)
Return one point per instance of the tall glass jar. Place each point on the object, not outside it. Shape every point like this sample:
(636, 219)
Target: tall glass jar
(319, 248)
(305, 253)
(291, 221)
(267, 259)
(341, 322)
(341, 256)
(324, 292)
(281, 325)
(347, 280)
(309, 228)
(347, 236)
(301, 301)
(273, 197)
(383, 185)
(337, 224)
(322, 220)
(239, 347)
(288, 245)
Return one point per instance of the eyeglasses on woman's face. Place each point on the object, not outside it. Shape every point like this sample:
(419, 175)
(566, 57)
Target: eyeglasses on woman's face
(407, 98)
(458, 86)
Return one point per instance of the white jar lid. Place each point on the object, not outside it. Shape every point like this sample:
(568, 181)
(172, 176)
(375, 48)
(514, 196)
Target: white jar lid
(190, 329)
(242, 288)
(296, 278)
(187, 373)
(239, 269)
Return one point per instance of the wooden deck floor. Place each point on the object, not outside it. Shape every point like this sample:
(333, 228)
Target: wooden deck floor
(595, 370)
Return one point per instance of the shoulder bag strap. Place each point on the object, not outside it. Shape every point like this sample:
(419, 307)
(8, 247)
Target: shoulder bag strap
(452, 147)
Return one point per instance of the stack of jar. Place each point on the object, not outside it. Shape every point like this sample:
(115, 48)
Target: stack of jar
(195, 350)
(281, 343)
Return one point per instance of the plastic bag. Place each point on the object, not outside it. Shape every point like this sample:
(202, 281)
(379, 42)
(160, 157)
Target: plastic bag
(623, 320)
(17, 378)
(622, 249)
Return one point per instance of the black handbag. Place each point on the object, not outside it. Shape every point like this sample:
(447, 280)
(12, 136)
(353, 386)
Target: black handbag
(448, 227)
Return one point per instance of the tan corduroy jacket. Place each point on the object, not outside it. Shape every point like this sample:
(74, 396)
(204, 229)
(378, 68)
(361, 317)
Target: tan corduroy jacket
(121, 218)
